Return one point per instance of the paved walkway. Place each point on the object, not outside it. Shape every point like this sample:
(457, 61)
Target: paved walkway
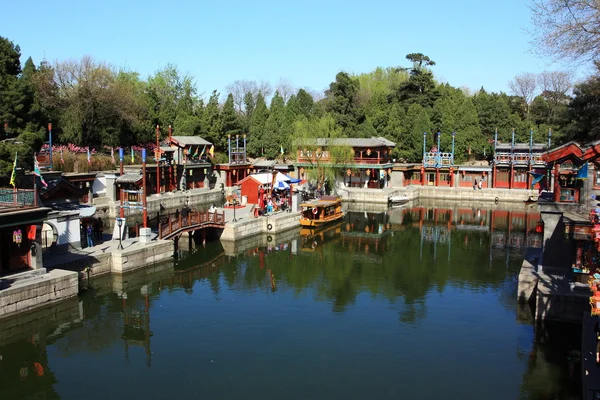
(103, 248)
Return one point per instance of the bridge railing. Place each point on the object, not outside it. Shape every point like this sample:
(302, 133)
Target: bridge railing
(175, 221)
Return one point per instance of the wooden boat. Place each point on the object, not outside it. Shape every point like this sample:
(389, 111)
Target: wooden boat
(319, 212)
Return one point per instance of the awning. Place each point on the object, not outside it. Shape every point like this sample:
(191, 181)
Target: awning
(292, 180)
(87, 211)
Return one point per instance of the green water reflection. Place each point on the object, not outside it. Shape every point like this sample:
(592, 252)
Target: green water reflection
(416, 303)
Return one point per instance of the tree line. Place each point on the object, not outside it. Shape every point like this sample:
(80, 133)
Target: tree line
(91, 103)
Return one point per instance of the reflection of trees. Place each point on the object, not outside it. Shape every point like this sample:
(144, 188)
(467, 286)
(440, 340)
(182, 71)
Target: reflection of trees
(400, 269)
(97, 331)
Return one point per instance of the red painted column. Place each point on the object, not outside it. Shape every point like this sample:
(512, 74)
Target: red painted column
(556, 184)
(494, 176)
(437, 177)
(511, 177)
(422, 176)
(451, 177)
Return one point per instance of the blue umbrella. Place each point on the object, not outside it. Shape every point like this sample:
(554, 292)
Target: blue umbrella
(292, 180)
(281, 185)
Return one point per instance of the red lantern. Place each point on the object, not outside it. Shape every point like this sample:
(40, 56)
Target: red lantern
(539, 227)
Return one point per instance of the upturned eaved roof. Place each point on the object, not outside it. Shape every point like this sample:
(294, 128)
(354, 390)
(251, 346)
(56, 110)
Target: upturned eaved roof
(191, 141)
(130, 177)
(353, 142)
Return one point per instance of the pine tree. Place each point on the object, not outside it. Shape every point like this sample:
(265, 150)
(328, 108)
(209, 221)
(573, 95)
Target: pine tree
(276, 135)
(256, 133)
(231, 123)
(342, 103)
(211, 123)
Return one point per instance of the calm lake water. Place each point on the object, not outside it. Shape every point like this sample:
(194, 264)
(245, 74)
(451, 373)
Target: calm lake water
(411, 303)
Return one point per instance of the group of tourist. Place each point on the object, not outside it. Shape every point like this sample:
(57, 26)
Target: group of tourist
(277, 200)
(92, 231)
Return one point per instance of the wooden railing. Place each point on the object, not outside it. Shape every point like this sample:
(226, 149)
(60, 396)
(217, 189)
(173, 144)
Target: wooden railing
(174, 222)
(17, 198)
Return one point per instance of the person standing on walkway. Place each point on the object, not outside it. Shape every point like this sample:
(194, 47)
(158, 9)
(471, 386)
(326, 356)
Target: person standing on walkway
(480, 184)
(89, 232)
(475, 184)
(184, 214)
(99, 229)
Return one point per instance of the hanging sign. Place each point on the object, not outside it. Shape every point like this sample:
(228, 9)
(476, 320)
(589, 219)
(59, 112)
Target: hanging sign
(17, 236)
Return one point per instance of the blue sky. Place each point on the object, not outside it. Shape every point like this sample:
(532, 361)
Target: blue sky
(474, 42)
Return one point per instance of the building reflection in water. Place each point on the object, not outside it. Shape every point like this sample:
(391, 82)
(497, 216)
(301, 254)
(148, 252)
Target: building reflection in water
(25, 371)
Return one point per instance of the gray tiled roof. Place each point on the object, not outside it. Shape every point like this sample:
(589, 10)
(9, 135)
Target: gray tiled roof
(129, 177)
(192, 140)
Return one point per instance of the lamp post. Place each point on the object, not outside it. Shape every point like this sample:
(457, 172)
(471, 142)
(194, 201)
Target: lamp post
(120, 225)
(157, 154)
(121, 210)
(234, 219)
(50, 141)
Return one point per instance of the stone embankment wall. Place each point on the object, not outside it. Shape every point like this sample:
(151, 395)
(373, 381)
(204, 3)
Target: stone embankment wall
(64, 313)
(31, 291)
(147, 254)
(370, 196)
(254, 226)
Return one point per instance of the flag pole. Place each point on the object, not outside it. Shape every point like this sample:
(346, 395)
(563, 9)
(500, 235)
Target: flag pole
(34, 182)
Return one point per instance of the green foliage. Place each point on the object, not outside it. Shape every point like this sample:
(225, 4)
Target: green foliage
(258, 121)
(231, 123)
(584, 111)
(212, 128)
(340, 157)
(342, 103)
(277, 134)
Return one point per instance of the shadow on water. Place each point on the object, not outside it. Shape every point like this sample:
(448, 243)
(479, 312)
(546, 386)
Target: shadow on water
(428, 293)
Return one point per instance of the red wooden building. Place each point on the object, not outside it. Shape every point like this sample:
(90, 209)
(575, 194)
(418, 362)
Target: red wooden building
(371, 166)
(513, 163)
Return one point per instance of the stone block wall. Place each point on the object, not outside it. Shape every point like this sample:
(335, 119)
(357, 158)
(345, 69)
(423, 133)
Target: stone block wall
(38, 291)
(255, 226)
(128, 260)
(528, 280)
(561, 307)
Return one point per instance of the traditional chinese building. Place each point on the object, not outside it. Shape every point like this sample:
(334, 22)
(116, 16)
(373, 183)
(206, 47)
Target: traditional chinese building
(21, 219)
(436, 168)
(186, 166)
(370, 167)
(564, 162)
(513, 163)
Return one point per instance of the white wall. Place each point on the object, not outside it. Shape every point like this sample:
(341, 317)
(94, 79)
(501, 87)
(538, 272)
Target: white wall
(68, 229)
(99, 186)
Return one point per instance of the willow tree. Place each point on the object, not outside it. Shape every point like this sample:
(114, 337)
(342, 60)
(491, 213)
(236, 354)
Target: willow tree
(324, 151)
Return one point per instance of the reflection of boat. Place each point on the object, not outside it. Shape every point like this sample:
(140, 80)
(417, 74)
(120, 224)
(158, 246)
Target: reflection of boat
(322, 211)
(530, 201)
(316, 237)
(397, 200)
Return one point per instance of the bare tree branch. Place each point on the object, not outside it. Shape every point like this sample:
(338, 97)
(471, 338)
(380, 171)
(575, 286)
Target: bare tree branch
(566, 29)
